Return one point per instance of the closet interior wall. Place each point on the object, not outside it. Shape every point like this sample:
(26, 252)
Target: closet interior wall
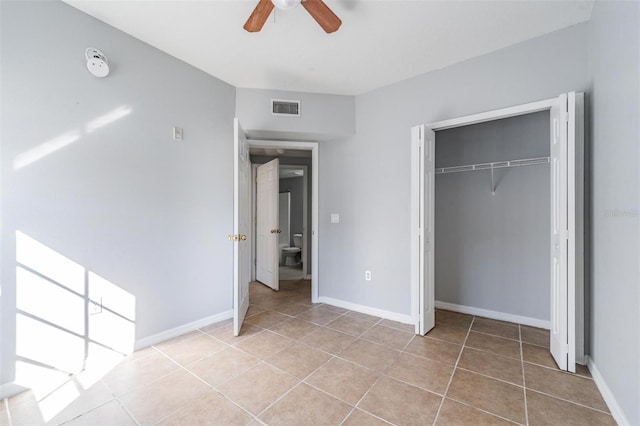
(492, 250)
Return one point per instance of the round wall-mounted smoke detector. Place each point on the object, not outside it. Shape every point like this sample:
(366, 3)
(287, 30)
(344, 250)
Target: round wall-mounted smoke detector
(97, 63)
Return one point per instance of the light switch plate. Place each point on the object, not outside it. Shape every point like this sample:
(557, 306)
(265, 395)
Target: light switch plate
(335, 218)
(177, 133)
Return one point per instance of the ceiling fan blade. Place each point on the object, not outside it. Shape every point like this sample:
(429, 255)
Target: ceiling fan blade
(323, 15)
(259, 16)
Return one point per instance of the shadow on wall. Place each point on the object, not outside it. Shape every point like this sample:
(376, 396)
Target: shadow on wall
(72, 326)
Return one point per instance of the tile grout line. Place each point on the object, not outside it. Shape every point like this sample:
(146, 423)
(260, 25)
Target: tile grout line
(332, 356)
(569, 401)
(126, 410)
(497, 379)
(361, 399)
(210, 386)
(453, 372)
(484, 411)
(524, 379)
(301, 381)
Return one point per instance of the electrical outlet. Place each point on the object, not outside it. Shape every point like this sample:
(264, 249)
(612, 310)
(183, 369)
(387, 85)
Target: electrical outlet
(367, 275)
(95, 307)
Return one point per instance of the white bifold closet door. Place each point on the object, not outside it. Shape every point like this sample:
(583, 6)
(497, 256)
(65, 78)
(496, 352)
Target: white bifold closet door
(564, 189)
(422, 225)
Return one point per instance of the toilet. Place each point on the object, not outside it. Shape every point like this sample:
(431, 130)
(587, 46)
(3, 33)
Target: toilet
(292, 255)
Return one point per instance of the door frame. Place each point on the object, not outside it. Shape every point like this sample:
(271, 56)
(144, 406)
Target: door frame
(313, 230)
(576, 217)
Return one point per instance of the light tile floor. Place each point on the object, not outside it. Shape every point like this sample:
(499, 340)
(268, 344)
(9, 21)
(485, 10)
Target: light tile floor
(302, 364)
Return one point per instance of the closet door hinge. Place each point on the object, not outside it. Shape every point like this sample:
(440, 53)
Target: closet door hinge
(564, 234)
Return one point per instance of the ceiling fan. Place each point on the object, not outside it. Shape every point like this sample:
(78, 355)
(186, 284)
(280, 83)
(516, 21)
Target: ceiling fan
(316, 8)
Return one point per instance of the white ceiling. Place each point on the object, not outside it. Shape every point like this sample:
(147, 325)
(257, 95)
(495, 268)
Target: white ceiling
(379, 43)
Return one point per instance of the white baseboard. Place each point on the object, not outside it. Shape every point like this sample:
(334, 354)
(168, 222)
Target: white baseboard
(178, 331)
(533, 322)
(7, 390)
(393, 316)
(607, 395)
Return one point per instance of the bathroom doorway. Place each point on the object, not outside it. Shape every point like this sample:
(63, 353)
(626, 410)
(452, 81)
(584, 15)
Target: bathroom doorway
(297, 251)
(293, 212)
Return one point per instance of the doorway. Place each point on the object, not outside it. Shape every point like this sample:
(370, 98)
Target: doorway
(293, 219)
(566, 239)
(295, 157)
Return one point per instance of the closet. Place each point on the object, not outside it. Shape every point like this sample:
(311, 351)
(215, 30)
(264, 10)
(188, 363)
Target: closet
(497, 229)
(492, 217)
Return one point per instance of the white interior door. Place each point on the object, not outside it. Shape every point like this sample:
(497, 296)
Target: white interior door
(563, 192)
(267, 227)
(241, 224)
(423, 194)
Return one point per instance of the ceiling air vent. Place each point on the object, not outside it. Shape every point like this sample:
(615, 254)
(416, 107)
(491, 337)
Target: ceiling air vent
(288, 108)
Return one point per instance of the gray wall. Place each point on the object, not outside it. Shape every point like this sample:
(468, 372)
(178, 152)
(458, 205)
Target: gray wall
(492, 251)
(125, 201)
(322, 117)
(614, 46)
(295, 186)
(365, 178)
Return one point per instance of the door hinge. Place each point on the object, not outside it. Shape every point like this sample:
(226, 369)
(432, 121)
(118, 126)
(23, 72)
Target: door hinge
(565, 349)
(564, 234)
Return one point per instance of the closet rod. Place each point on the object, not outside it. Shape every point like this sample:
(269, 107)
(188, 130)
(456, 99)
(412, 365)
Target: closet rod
(491, 166)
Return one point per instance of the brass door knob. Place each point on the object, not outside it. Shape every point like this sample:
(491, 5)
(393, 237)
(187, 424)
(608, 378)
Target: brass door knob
(243, 237)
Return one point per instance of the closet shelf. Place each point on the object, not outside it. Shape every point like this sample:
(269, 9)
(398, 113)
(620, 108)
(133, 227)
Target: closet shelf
(495, 165)
(492, 167)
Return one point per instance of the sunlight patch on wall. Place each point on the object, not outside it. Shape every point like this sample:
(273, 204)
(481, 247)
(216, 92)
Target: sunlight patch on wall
(42, 381)
(51, 346)
(113, 297)
(45, 149)
(57, 143)
(42, 299)
(72, 325)
(107, 118)
(49, 263)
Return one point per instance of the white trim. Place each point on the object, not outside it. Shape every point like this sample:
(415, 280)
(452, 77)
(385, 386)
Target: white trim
(417, 206)
(607, 395)
(393, 316)
(501, 316)
(314, 148)
(497, 114)
(7, 390)
(180, 330)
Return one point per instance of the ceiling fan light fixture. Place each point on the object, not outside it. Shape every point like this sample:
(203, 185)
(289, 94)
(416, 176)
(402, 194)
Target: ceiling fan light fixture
(285, 4)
